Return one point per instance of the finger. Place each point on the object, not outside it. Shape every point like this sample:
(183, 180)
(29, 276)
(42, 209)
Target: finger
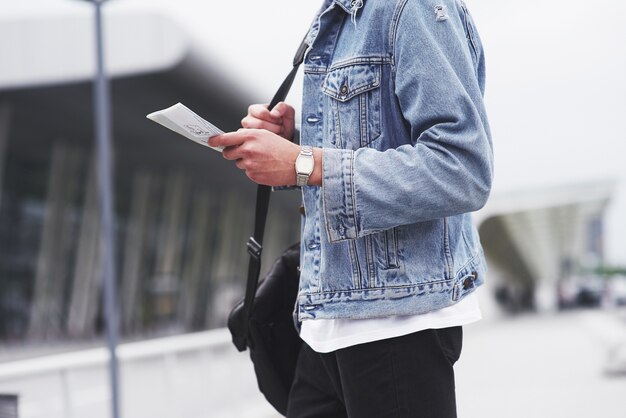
(261, 112)
(254, 123)
(229, 139)
(232, 153)
(284, 111)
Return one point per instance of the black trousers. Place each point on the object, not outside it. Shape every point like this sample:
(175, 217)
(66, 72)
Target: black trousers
(402, 377)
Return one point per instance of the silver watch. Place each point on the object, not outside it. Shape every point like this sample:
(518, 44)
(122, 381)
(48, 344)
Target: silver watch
(304, 165)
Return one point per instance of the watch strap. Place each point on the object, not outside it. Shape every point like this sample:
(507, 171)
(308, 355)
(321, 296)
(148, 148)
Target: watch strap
(302, 179)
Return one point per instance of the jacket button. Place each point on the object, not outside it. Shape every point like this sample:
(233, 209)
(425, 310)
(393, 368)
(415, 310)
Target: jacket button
(467, 283)
(344, 90)
(474, 275)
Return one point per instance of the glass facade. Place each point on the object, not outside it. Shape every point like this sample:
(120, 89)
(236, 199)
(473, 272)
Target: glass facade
(183, 214)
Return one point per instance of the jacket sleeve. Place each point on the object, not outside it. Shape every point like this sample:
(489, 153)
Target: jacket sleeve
(447, 168)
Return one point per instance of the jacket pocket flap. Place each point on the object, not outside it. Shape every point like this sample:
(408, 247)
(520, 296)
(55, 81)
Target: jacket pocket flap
(346, 82)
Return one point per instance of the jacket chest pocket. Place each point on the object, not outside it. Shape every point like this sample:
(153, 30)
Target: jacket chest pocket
(354, 105)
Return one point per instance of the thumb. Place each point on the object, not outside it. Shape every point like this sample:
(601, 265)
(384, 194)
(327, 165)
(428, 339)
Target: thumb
(279, 110)
(283, 110)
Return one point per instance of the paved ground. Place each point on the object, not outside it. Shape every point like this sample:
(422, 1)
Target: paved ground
(542, 367)
(537, 366)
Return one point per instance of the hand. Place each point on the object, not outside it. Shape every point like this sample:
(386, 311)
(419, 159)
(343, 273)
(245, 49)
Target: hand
(279, 120)
(265, 157)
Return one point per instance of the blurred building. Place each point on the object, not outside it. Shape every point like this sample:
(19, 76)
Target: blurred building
(183, 216)
(183, 213)
(541, 242)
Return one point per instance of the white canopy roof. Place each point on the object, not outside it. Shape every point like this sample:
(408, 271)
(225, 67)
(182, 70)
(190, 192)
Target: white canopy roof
(52, 42)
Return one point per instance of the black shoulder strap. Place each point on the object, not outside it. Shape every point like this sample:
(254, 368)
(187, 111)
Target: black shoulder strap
(255, 242)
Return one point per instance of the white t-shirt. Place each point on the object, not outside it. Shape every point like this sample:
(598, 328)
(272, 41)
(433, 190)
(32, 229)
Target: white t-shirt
(326, 335)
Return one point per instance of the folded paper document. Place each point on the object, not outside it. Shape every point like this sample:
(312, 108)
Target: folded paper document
(180, 119)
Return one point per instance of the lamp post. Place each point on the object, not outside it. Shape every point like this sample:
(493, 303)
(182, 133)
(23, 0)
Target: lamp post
(104, 167)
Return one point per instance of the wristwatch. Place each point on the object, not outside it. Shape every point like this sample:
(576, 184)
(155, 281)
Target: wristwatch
(304, 165)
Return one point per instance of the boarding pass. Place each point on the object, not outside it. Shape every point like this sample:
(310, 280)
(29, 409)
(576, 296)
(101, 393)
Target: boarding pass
(182, 120)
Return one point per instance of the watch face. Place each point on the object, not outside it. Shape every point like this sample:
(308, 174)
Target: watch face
(304, 165)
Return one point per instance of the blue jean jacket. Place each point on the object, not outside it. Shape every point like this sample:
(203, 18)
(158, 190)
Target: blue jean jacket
(393, 93)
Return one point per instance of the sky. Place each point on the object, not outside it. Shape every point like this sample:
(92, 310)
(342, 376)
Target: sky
(556, 79)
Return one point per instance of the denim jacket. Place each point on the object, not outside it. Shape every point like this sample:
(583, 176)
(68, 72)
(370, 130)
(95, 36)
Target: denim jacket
(393, 93)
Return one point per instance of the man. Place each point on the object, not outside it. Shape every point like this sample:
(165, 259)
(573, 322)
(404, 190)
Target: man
(396, 152)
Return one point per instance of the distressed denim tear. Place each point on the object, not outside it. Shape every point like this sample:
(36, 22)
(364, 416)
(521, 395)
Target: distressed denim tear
(440, 13)
(356, 5)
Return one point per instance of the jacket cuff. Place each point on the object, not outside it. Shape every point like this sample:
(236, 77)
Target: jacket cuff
(338, 194)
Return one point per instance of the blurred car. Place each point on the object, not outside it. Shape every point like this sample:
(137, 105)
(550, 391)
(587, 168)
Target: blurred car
(581, 291)
(616, 291)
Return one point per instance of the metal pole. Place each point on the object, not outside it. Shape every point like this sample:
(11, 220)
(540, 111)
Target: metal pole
(105, 189)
